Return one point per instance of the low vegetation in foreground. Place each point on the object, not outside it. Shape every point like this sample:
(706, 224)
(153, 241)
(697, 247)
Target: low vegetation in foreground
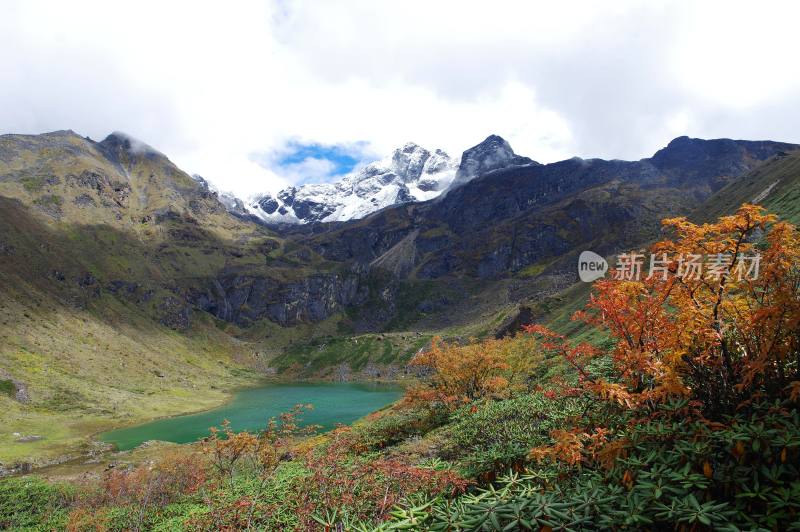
(684, 416)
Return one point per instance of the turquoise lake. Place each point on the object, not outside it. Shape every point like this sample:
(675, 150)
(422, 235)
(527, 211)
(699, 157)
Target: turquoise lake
(251, 408)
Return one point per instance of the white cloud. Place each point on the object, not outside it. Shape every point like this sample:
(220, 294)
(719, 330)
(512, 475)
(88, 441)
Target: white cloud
(744, 58)
(212, 84)
(310, 169)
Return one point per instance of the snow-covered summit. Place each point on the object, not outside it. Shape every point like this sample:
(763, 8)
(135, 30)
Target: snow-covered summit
(410, 173)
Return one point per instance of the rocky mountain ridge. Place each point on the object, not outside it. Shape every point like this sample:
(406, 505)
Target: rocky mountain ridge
(494, 153)
(513, 217)
(513, 223)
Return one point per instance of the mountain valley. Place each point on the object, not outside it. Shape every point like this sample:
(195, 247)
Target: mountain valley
(130, 290)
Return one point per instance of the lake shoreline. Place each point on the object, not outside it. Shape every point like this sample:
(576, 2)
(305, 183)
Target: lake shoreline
(259, 381)
(249, 408)
(94, 450)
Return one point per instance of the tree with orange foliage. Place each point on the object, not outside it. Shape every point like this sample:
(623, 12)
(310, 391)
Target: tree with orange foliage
(459, 374)
(724, 336)
(721, 338)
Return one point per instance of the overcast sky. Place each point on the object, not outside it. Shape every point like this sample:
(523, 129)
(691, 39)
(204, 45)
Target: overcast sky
(257, 94)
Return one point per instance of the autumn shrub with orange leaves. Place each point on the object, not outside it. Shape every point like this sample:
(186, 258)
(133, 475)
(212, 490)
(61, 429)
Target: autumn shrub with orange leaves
(260, 451)
(137, 495)
(722, 338)
(701, 362)
(725, 337)
(255, 456)
(457, 374)
(228, 482)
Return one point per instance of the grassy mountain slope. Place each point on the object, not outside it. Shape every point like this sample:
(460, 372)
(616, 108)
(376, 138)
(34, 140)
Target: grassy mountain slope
(88, 357)
(99, 243)
(775, 185)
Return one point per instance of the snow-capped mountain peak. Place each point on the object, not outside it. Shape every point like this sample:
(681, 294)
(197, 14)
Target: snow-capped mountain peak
(410, 173)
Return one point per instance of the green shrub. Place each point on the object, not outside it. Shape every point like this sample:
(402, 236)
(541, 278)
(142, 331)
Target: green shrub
(175, 516)
(7, 387)
(496, 435)
(32, 503)
(50, 200)
(394, 426)
(33, 183)
(271, 503)
(674, 474)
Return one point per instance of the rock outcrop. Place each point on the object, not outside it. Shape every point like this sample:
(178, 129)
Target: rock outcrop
(245, 299)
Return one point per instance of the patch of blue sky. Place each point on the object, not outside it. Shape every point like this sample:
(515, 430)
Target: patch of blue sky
(338, 160)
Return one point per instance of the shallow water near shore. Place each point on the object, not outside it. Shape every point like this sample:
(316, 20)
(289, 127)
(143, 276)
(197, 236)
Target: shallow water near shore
(334, 403)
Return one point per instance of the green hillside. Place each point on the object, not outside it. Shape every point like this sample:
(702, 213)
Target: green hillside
(775, 185)
(98, 245)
